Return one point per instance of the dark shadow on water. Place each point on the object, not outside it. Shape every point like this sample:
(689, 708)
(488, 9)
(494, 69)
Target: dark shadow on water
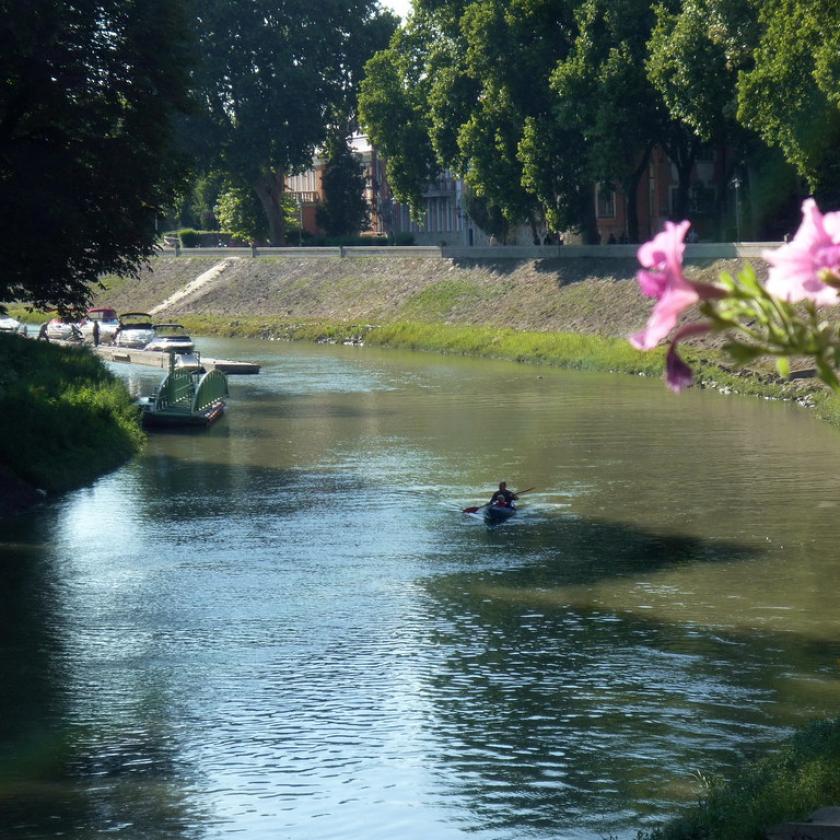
(543, 717)
(563, 550)
(559, 718)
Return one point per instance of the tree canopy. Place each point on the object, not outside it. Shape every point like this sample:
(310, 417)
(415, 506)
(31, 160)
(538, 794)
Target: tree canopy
(87, 160)
(274, 76)
(533, 101)
(791, 97)
(343, 210)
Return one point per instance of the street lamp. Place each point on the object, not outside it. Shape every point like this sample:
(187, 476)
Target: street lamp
(736, 185)
(300, 219)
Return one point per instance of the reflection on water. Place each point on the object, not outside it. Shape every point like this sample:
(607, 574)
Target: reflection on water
(286, 628)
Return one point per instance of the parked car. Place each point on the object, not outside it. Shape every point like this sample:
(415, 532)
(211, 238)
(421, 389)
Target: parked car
(102, 320)
(135, 330)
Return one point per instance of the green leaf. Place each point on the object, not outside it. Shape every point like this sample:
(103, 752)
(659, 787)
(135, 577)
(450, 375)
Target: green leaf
(783, 366)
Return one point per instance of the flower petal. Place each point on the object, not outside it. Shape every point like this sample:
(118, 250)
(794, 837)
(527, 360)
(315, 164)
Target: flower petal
(665, 315)
(678, 375)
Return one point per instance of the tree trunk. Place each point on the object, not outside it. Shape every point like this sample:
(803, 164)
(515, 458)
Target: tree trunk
(630, 185)
(682, 150)
(269, 188)
(683, 186)
(588, 220)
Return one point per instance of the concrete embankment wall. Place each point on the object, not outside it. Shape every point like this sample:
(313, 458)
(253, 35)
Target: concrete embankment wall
(578, 289)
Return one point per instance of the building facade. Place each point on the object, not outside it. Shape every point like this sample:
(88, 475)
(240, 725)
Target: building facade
(446, 222)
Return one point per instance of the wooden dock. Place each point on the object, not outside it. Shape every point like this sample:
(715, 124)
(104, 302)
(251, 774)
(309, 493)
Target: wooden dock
(158, 359)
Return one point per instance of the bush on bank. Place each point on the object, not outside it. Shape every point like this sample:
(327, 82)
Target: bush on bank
(801, 777)
(64, 418)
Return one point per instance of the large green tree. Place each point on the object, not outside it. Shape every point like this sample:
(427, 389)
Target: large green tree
(791, 97)
(275, 74)
(604, 92)
(457, 88)
(343, 210)
(86, 140)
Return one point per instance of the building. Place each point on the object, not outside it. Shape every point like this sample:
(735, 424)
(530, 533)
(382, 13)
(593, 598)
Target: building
(446, 222)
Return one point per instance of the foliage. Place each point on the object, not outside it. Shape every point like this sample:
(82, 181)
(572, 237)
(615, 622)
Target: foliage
(343, 209)
(87, 159)
(65, 418)
(238, 211)
(189, 237)
(274, 77)
(392, 109)
(780, 318)
(454, 90)
(802, 776)
(791, 95)
(489, 217)
(604, 93)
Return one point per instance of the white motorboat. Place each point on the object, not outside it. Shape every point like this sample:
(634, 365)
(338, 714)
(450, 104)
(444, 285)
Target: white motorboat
(100, 325)
(171, 338)
(135, 330)
(11, 325)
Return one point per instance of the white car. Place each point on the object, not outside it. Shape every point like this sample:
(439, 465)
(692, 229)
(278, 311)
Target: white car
(135, 330)
(100, 325)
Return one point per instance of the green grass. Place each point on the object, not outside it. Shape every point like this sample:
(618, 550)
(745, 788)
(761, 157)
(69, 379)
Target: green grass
(438, 301)
(569, 350)
(64, 418)
(801, 777)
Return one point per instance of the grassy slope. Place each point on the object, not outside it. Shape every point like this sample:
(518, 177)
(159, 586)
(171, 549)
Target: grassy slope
(65, 418)
(573, 313)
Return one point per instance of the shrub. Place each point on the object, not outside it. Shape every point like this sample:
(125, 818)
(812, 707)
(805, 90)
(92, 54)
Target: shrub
(66, 418)
(189, 238)
(802, 776)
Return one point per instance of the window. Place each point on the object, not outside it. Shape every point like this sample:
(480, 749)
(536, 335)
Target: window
(605, 201)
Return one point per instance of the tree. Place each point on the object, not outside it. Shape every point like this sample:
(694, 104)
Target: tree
(343, 210)
(393, 110)
(455, 90)
(695, 56)
(87, 159)
(791, 97)
(239, 212)
(275, 75)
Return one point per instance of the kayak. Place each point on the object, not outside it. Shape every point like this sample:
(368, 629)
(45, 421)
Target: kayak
(493, 514)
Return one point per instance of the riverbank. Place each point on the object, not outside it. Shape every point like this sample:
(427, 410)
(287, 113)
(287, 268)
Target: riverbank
(66, 420)
(569, 312)
(801, 777)
(566, 312)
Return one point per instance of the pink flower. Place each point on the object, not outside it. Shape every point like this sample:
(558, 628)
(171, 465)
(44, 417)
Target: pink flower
(678, 375)
(662, 277)
(799, 267)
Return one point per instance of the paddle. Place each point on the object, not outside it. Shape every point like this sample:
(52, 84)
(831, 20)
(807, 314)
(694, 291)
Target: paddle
(477, 508)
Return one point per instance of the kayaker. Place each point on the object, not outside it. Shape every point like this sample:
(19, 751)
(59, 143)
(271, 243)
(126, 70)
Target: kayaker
(503, 497)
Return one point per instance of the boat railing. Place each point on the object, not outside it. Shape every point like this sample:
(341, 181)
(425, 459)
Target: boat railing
(175, 390)
(211, 388)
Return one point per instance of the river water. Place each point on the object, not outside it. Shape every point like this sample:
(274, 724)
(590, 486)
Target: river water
(284, 627)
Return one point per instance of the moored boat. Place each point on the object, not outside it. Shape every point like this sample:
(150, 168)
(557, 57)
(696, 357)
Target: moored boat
(186, 397)
(135, 330)
(171, 338)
